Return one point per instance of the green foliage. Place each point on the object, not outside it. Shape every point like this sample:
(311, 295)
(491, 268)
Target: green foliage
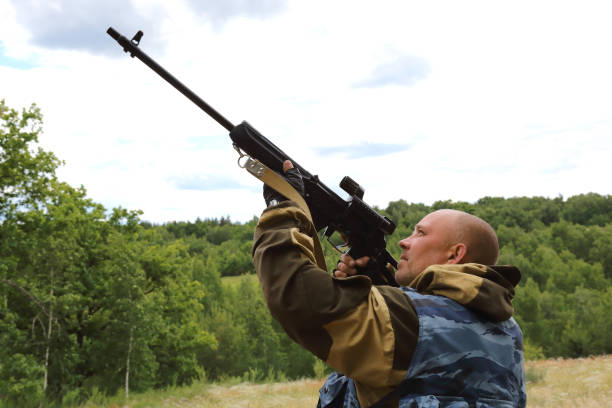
(25, 172)
(19, 380)
(588, 209)
(532, 352)
(220, 244)
(321, 370)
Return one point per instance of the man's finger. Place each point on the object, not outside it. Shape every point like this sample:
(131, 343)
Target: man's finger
(287, 165)
(343, 270)
(342, 267)
(346, 259)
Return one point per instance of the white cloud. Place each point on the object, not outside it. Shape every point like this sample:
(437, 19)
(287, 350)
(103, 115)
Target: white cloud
(517, 100)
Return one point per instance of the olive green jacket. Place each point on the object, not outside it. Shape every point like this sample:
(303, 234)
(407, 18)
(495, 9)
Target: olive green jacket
(366, 332)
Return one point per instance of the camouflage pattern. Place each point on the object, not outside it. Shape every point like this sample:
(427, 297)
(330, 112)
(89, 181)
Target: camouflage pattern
(338, 391)
(461, 360)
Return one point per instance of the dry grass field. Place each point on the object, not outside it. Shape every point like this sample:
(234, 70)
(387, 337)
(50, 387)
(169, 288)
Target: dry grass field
(584, 382)
(301, 393)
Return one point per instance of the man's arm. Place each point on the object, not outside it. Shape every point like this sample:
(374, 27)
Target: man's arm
(366, 332)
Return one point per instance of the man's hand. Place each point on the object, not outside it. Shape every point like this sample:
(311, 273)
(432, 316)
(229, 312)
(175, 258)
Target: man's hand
(347, 266)
(293, 177)
(287, 165)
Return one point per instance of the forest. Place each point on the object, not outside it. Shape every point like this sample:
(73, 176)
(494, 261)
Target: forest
(95, 300)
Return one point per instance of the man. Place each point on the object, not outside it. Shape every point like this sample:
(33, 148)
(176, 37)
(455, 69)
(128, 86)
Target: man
(445, 338)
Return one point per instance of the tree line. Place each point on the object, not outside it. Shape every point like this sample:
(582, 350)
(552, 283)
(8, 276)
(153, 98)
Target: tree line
(95, 300)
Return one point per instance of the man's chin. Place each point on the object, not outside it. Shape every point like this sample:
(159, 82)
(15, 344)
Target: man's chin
(402, 276)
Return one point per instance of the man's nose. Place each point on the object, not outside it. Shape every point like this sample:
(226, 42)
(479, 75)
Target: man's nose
(404, 243)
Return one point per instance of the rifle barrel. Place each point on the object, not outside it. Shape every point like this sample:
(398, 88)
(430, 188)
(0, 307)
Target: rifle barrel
(132, 48)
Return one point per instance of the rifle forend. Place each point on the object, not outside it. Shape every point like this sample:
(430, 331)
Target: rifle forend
(361, 225)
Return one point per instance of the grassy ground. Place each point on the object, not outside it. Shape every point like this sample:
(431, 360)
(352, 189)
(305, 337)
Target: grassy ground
(585, 382)
(298, 394)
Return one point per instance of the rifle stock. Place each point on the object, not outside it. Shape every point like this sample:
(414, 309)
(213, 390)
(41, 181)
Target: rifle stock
(361, 225)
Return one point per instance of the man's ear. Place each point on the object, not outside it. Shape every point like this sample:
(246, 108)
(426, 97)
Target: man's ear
(457, 253)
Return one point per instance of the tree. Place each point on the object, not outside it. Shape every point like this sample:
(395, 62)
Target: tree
(89, 300)
(25, 172)
(27, 176)
(588, 209)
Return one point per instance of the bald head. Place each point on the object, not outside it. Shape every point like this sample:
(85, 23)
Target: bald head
(446, 237)
(477, 235)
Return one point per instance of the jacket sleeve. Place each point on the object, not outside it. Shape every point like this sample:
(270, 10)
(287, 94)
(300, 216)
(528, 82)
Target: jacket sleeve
(366, 332)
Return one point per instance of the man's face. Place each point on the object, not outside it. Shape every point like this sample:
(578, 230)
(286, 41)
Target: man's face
(428, 245)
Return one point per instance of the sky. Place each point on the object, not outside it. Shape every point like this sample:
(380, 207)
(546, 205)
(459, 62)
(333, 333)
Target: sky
(420, 101)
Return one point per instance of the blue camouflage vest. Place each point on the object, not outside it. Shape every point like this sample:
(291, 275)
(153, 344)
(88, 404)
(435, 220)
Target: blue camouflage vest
(461, 360)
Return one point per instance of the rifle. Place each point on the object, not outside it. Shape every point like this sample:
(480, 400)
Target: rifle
(362, 227)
